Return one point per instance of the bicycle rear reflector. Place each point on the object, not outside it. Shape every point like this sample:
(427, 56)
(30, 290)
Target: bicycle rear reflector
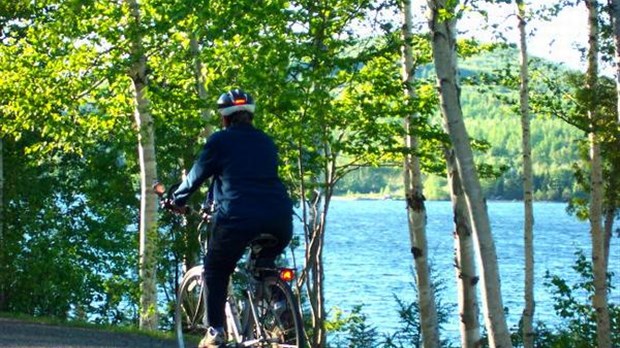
(287, 274)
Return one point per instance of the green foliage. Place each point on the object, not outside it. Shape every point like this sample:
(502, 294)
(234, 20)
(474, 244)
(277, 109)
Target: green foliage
(409, 334)
(351, 330)
(70, 249)
(573, 305)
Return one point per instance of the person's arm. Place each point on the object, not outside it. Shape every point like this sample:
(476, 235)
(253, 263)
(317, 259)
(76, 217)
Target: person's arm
(204, 167)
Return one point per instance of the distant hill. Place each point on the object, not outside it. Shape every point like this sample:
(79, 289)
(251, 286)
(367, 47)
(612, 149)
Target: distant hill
(554, 145)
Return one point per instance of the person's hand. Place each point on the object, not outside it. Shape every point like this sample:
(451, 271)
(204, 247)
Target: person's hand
(179, 210)
(169, 204)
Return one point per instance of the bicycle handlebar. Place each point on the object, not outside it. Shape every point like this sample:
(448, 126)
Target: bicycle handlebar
(165, 199)
(207, 208)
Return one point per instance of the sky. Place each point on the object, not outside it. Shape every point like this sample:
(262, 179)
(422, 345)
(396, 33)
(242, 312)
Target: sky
(555, 40)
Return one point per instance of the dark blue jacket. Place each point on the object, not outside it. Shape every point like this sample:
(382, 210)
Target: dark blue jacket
(243, 162)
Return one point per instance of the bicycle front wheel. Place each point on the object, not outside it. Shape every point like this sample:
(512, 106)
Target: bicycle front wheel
(190, 311)
(278, 318)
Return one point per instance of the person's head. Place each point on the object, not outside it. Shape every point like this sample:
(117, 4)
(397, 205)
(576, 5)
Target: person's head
(236, 106)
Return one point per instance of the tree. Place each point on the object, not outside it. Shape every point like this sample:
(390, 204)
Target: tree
(599, 300)
(148, 171)
(442, 23)
(416, 210)
(466, 277)
(528, 182)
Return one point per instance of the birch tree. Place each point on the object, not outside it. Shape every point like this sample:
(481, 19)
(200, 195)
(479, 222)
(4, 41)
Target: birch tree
(442, 23)
(148, 172)
(528, 181)
(465, 259)
(416, 209)
(599, 300)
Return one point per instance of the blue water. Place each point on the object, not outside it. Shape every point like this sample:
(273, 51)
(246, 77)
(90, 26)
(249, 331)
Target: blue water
(368, 261)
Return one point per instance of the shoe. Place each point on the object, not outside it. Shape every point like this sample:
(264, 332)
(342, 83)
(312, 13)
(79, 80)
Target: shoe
(214, 338)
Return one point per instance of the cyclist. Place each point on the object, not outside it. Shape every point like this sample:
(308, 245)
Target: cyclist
(251, 200)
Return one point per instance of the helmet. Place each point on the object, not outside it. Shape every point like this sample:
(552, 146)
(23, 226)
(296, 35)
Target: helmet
(234, 101)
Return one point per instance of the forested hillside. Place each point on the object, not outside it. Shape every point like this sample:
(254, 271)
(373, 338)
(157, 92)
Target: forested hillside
(555, 145)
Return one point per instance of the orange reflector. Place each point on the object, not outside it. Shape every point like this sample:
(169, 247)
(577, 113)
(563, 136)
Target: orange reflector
(239, 101)
(287, 274)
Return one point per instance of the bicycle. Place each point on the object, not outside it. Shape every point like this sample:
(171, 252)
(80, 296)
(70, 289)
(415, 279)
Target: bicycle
(261, 310)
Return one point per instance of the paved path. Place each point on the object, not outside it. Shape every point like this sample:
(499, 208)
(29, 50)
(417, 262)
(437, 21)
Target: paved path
(20, 334)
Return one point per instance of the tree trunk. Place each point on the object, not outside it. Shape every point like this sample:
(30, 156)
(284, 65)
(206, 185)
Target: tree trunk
(599, 300)
(313, 274)
(443, 33)
(608, 228)
(615, 19)
(191, 252)
(200, 83)
(416, 209)
(148, 174)
(528, 226)
(314, 213)
(466, 276)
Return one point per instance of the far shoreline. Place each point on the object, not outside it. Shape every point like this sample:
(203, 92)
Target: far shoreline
(376, 197)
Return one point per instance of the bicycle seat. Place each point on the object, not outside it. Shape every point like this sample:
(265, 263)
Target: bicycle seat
(264, 240)
(259, 264)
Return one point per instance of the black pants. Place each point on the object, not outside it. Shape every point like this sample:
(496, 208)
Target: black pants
(226, 246)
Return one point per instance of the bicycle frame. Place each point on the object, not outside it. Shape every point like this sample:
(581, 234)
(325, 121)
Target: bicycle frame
(235, 320)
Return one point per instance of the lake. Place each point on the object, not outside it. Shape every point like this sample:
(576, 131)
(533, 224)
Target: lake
(368, 261)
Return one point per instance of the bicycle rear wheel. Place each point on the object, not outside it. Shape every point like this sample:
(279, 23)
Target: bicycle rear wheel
(189, 316)
(278, 315)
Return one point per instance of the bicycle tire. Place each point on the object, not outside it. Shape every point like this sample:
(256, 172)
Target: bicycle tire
(278, 315)
(189, 314)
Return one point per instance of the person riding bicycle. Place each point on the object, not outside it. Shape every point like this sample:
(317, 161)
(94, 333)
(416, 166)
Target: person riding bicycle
(250, 200)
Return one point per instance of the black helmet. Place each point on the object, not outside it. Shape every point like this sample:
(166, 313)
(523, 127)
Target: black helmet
(235, 100)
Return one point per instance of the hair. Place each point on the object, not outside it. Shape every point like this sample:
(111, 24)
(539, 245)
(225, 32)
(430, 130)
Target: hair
(240, 117)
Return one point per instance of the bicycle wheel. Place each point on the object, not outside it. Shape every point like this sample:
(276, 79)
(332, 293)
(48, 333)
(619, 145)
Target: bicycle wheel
(278, 315)
(189, 316)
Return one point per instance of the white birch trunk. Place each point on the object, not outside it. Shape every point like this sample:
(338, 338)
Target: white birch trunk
(465, 255)
(416, 209)
(443, 33)
(148, 175)
(599, 300)
(528, 226)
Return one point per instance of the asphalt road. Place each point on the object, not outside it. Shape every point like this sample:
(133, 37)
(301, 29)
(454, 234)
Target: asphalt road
(20, 334)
